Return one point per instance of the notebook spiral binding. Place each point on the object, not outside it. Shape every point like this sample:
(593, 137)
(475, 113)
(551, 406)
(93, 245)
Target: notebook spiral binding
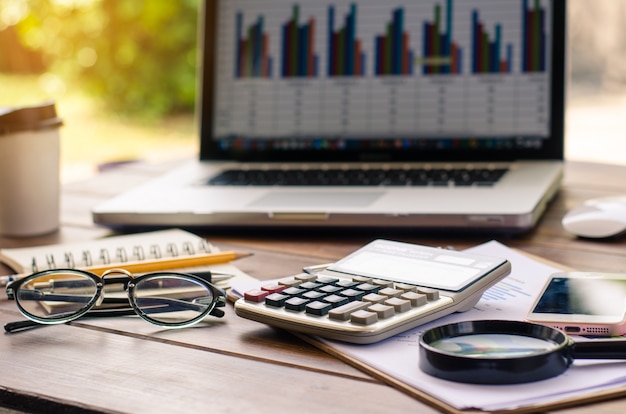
(122, 255)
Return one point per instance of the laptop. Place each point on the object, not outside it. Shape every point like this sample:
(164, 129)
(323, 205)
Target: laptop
(430, 114)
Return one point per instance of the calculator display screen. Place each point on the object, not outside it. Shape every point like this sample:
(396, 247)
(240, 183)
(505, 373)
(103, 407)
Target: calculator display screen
(406, 263)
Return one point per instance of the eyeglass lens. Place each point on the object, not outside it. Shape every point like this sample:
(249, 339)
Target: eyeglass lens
(58, 296)
(171, 299)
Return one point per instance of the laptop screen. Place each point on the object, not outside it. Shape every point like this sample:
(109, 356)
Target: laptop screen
(427, 80)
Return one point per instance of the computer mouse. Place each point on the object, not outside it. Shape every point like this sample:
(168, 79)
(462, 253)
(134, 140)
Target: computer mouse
(597, 218)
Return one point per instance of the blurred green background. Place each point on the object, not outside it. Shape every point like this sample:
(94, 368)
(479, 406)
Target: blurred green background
(123, 74)
(139, 57)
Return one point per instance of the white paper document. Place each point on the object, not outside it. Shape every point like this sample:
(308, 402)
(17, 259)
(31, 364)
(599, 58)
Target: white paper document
(510, 299)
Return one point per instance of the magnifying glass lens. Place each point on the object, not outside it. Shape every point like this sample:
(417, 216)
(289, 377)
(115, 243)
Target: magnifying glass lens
(505, 352)
(493, 345)
(494, 352)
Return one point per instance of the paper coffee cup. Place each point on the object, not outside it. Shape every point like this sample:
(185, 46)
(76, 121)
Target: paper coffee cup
(29, 170)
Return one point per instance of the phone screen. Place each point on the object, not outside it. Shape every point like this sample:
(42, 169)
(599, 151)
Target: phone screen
(583, 296)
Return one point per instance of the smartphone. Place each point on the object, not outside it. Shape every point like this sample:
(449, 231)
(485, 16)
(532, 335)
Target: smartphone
(583, 303)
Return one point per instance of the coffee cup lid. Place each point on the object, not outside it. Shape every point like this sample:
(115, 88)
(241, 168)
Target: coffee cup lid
(16, 119)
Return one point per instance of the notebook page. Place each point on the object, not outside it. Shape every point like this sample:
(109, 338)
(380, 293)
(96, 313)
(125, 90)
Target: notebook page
(113, 250)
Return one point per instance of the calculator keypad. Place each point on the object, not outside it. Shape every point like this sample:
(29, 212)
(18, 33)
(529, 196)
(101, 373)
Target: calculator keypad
(358, 301)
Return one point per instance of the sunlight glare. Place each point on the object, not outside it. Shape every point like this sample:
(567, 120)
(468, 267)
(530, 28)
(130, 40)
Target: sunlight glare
(69, 4)
(87, 57)
(12, 12)
(52, 84)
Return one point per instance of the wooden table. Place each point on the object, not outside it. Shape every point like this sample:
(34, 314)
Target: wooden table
(236, 365)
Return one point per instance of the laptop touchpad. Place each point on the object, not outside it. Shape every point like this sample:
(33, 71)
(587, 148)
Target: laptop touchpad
(286, 199)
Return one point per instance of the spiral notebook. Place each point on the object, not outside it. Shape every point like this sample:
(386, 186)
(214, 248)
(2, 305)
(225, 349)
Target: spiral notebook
(117, 251)
(112, 251)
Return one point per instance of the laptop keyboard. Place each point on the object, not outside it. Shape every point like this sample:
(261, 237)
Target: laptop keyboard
(361, 177)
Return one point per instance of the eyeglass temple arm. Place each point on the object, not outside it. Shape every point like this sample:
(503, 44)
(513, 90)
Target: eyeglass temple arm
(27, 323)
(20, 325)
(173, 306)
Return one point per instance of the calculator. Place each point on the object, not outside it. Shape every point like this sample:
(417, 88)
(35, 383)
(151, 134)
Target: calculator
(382, 289)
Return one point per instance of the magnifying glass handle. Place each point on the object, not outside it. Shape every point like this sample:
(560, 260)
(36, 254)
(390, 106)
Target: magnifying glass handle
(600, 349)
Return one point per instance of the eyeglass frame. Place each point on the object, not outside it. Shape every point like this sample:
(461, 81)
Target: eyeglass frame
(129, 280)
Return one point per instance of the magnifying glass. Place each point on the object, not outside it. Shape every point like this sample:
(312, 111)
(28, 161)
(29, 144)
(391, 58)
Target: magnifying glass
(505, 352)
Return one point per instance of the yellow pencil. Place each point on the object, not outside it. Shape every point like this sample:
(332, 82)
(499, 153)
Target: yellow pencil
(154, 265)
(172, 262)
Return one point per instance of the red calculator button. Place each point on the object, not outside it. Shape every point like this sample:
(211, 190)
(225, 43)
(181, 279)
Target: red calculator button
(273, 288)
(255, 295)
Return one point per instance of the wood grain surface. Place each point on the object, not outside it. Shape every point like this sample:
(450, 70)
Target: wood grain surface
(232, 364)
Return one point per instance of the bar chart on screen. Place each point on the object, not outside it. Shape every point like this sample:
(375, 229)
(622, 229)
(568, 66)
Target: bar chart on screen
(441, 54)
(345, 51)
(427, 68)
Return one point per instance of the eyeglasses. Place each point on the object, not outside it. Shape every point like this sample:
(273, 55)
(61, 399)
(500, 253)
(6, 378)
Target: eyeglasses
(167, 299)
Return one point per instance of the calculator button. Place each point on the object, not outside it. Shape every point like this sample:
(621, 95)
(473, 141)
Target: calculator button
(255, 295)
(327, 280)
(406, 287)
(310, 285)
(362, 279)
(345, 283)
(352, 294)
(318, 308)
(416, 299)
(382, 283)
(273, 288)
(296, 304)
(342, 313)
(336, 300)
(431, 294)
(391, 292)
(368, 288)
(330, 289)
(289, 282)
(293, 291)
(363, 317)
(399, 305)
(375, 298)
(305, 277)
(276, 299)
(383, 311)
(313, 295)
